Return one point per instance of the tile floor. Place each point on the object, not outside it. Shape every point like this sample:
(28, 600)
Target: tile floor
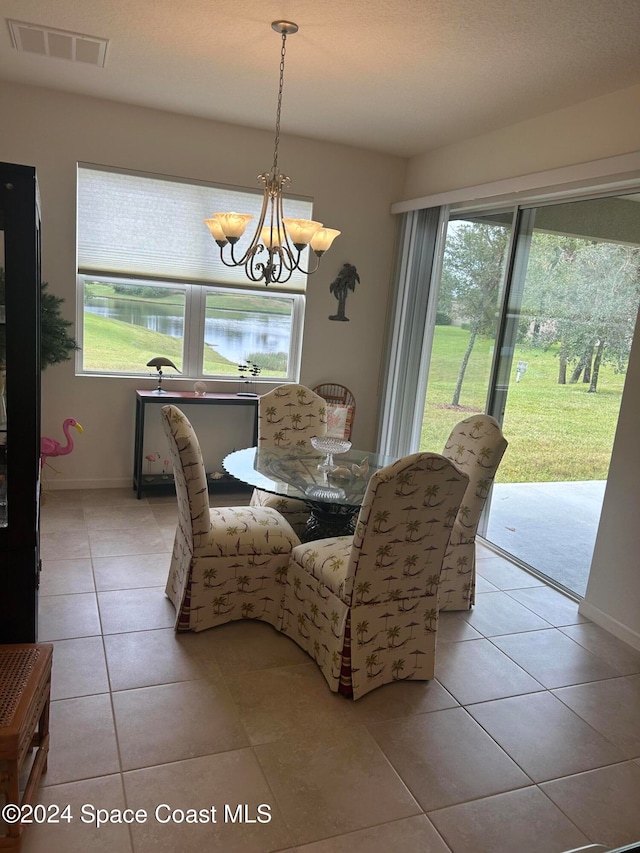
(528, 740)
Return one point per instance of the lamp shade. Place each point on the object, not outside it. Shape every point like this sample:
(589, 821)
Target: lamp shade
(216, 230)
(271, 237)
(232, 224)
(301, 230)
(322, 239)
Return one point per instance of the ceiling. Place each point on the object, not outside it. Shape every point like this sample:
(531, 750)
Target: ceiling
(396, 76)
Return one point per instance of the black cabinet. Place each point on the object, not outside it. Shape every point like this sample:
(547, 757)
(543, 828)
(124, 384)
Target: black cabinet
(19, 403)
(157, 482)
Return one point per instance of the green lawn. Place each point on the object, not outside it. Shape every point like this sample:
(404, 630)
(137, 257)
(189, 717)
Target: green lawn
(124, 348)
(114, 346)
(555, 432)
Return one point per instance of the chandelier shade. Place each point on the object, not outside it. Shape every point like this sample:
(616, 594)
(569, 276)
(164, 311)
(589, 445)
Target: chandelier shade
(275, 250)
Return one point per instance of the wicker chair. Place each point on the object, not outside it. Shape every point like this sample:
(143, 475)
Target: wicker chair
(341, 411)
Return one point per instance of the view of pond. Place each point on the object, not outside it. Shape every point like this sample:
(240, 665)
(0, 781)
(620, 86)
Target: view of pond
(233, 334)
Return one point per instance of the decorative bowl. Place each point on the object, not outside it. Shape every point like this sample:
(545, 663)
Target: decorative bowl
(325, 493)
(325, 444)
(329, 446)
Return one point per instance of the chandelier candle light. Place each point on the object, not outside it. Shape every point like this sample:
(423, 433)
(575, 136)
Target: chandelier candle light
(282, 239)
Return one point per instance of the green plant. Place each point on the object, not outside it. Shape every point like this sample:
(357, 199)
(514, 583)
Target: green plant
(56, 344)
(271, 361)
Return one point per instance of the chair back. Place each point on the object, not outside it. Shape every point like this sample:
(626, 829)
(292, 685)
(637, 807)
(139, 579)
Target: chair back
(189, 474)
(476, 445)
(289, 416)
(341, 408)
(403, 529)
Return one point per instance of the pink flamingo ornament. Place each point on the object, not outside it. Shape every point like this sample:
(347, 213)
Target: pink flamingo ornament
(51, 447)
(151, 458)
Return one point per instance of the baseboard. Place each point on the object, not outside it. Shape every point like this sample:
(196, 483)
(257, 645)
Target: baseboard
(622, 632)
(51, 485)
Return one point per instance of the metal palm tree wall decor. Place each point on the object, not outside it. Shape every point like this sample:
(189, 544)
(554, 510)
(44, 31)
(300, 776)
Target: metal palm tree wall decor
(345, 281)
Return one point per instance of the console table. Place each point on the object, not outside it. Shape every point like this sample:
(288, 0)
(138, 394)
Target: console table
(159, 482)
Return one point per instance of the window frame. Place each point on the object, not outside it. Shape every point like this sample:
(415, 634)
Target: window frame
(193, 342)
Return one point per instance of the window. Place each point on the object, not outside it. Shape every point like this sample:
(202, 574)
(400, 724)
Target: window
(150, 282)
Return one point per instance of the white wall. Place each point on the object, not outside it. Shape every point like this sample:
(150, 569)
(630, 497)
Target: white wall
(595, 129)
(600, 128)
(352, 188)
(612, 598)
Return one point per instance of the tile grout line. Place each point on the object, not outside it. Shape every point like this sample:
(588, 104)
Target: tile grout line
(111, 704)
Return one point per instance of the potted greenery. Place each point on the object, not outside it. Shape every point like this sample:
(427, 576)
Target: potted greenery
(56, 344)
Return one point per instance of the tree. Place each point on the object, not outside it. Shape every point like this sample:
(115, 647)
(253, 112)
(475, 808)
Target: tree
(610, 276)
(582, 294)
(549, 295)
(472, 275)
(56, 344)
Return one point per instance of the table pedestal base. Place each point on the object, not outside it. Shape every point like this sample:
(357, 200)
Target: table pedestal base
(330, 520)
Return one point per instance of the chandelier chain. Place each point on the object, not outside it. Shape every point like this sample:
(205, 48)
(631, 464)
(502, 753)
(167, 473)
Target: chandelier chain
(279, 109)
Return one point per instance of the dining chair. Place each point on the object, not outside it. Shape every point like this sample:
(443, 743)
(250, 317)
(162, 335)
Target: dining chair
(228, 562)
(476, 445)
(341, 408)
(364, 607)
(289, 416)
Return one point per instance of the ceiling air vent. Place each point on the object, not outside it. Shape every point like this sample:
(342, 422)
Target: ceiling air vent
(61, 44)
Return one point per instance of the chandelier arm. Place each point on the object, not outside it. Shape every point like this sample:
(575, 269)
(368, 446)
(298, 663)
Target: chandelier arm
(233, 262)
(280, 272)
(286, 264)
(270, 270)
(301, 269)
(287, 244)
(256, 271)
(239, 262)
(266, 197)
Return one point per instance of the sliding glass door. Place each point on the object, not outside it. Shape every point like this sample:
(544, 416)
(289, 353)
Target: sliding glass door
(535, 323)
(470, 293)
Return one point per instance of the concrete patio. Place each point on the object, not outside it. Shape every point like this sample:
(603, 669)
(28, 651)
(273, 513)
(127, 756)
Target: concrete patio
(550, 526)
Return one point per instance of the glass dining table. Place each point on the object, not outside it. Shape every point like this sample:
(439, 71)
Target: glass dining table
(334, 497)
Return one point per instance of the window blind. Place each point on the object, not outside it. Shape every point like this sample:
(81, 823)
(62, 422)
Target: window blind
(410, 330)
(133, 224)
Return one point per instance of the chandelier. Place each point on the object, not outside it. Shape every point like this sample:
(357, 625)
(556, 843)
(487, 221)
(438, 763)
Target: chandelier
(275, 251)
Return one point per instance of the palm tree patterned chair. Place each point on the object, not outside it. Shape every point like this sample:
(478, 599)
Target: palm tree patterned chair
(289, 416)
(364, 607)
(477, 445)
(228, 562)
